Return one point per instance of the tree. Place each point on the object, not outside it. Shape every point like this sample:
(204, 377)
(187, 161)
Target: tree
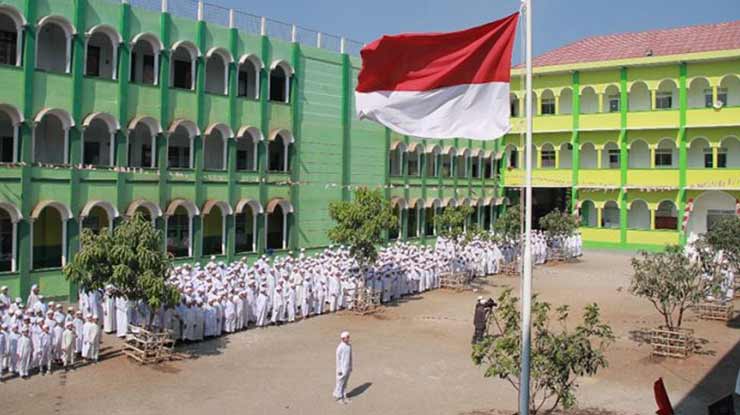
(725, 236)
(509, 225)
(360, 223)
(451, 222)
(671, 282)
(131, 259)
(558, 224)
(558, 355)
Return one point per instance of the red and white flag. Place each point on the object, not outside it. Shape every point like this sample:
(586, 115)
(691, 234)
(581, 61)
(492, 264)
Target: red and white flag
(440, 85)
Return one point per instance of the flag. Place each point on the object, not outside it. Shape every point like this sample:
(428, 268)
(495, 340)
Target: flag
(440, 85)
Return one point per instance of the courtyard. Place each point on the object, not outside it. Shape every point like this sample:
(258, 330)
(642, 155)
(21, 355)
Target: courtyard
(410, 358)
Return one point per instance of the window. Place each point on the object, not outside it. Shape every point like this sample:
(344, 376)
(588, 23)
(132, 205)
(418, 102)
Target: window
(514, 159)
(548, 158)
(708, 158)
(613, 103)
(488, 168)
(613, 158)
(92, 153)
(708, 98)
(178, 157)
(183, 74)
(514, 107)
(244, 223)
(722, 158)
(8, 45)
(6, 149)
(722, 95)
(279, 85)
(548, 106)
(248, 79)
(476, 167)
(178, 234)
(93, 61)
(663, 157)
(663, 100)
(6, 242)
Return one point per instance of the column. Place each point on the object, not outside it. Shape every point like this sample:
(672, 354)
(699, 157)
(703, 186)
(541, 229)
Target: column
(600, 97)
(538, 155)
(652, 156)
(557, 157)
(653, 98)
(599, 211)
(652, 219)
(599, 151)
(557, 104)
(715, 155)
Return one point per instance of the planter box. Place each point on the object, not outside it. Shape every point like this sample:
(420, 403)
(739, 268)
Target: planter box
(458, 281)
(364, 301)
(715, 310)
(677, 343)
(511, 269)
(147, 347)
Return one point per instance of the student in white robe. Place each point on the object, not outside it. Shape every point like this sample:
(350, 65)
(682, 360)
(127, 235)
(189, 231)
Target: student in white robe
(23, 354)
(3, 348)
(44, 351)
(109, 311)
(261, 308)
(344, 368)
(12, 348)
(122, 315)
(91, 339)
(33, 297)
(69, 339)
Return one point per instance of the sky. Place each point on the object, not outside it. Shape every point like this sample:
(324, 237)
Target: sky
(556, 22)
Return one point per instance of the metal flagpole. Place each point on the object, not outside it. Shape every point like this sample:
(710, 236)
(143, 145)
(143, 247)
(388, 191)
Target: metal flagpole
(527, 271)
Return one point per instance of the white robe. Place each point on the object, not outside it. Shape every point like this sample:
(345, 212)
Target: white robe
(109, 314)
(122, 316)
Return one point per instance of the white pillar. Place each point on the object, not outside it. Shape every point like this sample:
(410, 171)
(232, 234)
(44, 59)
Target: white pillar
(66, 146)
(254, 229)
(156, 67)
(318, 40)
(14, 248)
(293, 34)
(153, 161)
(19, 46)
(190, 235)
(112, 150)
(200, 11)
(165, 6)
(114, 59)
(68, 54)
(15, 143)
(285, 228)
(263, 26)
(64, 241)
(342, 45)
(232, 19)
(30, 238)
(223, 233)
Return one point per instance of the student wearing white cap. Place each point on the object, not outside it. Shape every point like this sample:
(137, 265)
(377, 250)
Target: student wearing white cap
(344, 368)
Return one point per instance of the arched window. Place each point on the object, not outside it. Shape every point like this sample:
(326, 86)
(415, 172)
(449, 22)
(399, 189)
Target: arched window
(248, 84)
(610, 217)
(9, 218)
(666, 154)
(180, 214)
(147, 209)
(612, 99)
(447, 155)
(430, 213)
(589, 101)
(639, 155)
(566, 101)
(588, 214)
(475, 163)
(566, 156)
(639, 97)
(397, 205)
(728, 153)
(217, 71)
(101, 53)
(547, 103)
(141, 142)
(700, 93)
(610, 156)
(98, 139)
(666, 97)
(51, 136)
(183, 60)
(214, 147)
(145, 59)
(588, 156)
(214, 227)
(245, 220)
(49, 235)
(180, 144)
(547, 156)
(279, 151)
(700, 154)
(54, 44)
(277, 225)
(10, 120)
(395, 158)
(98, 215)
(487, 210)
(413, 159)
(412, 219)
(511, 155)
(11, 35)
(709, 207)
(729, 91)
(666, 216)
(514, 105)
(247, 141)
(280, 76)
(489, 160)
(432, 161)
(638, 216)
(461, 164)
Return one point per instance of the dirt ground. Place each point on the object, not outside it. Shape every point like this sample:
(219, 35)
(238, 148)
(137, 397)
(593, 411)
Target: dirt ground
(413, 358)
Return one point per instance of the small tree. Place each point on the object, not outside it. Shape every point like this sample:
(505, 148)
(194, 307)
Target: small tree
(360, 223)
(509, 225)
(451, 223)
(671, 282)
(725, 236)
(558, 224)
(131, 259)
(558, 355)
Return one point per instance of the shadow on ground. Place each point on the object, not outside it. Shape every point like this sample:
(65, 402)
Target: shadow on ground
(580, 411)
(359, 390)
(716, 384)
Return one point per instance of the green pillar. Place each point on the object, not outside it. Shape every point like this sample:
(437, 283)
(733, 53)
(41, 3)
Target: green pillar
(347, 96)
(231, 146)
(386, 166)
(266, 53)
(296, 166)
(423, 211)
(575, 139)
(682, 150)
(623, 155)
(124, 62)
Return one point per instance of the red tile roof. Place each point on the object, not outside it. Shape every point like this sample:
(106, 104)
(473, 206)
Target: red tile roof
(676, 41)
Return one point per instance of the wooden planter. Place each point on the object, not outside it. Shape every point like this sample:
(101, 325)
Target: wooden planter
(147, 347)
(458, 281)
(715, 310)
(677, 343)
(512, 269)
(365, 301)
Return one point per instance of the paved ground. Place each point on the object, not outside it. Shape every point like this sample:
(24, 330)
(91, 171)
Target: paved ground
(413, 358)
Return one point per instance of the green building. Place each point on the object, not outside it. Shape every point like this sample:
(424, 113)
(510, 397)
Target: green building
(231, 132)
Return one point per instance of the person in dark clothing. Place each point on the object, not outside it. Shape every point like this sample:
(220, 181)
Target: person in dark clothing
(480, 319)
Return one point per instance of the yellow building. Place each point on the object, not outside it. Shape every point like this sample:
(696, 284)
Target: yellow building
(638, 133)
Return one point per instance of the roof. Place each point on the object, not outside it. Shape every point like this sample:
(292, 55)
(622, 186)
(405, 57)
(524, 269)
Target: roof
(664, 42)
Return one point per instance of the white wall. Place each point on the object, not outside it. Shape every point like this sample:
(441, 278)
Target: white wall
(696, 153)
(696, 92)
(639, 98)
(588, 156)
(714, 200)
(638, 216)
(639, 155)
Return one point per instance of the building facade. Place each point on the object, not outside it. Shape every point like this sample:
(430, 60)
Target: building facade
(226, 130)
(638, 133)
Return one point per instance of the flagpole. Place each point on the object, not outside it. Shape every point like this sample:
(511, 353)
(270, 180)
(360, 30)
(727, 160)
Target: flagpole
(527, 271)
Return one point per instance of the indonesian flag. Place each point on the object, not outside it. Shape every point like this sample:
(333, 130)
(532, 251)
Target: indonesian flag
(440, 85)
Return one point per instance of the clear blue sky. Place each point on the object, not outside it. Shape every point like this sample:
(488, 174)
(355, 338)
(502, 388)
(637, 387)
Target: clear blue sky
(557, 22)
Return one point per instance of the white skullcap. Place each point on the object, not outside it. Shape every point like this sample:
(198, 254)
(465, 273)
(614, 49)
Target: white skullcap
(344, 335)
(480, 297)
